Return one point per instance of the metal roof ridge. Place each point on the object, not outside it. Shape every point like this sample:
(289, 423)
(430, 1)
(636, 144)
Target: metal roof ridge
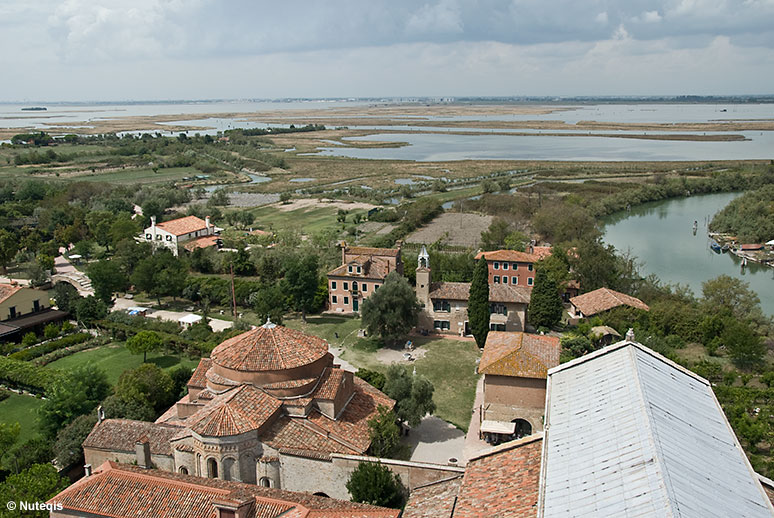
(658, 460)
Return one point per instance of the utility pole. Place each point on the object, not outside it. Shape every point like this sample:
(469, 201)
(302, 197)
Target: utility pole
(233, 293)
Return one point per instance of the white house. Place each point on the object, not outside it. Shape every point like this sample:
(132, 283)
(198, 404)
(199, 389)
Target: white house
(173, 233)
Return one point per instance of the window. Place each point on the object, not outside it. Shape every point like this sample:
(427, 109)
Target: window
(183, 470)
(265, 482)
(333, 285)
(497, 327)
(376, 287)
(12, 312)
(349, 268)
(505, 266)
(514, 266)
(334, 299)
(497, 279)
(169, 238)
(358, 269)
(529, 281)
(212, 468)
(505, 279)
(529, 267)
(441, 324)
(364, 287)
(514, 280)
(346, 301)
(35, 305)
(354, 285)
(498, 309)
(442, 305)
(158, 237)
(149, 237)
(346, 286)
(496, 265)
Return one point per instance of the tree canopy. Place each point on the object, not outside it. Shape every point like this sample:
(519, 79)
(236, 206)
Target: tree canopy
(545, 305)
(478, 303)
(147, 384)
(413, 394)
(144, 342)
(373, 483)
(392, 310)
(73, 394)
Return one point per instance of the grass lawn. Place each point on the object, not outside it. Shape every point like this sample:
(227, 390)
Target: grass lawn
(307, 219)
(21, 409)
(449, 364)
(115, 359)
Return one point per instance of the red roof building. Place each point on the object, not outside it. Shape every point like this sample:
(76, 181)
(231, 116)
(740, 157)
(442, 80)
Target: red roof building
(511, 266)
(602, 299)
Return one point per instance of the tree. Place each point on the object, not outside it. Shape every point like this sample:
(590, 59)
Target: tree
(144, 342)
(9, 245)
(301, 275)
(373, 483)
(147, 383)
(734, 296)
(116, 407)
(269, 301)
(75, 393)
(89, 309)
(384, 434)
(107, 278)
(69, 441)
(391, 311)
(413, 394)
(66, 296)
(478, 303)
(494, 237)
(744, 345)
(374, 378)
(38, 483)
(160, 274)
(9, 433)
(545, 305)
(123, 227)
(595, 265)
(99, 223)
(32, 451)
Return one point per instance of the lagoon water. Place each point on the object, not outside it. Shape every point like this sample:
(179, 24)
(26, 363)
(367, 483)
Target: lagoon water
(660, 235)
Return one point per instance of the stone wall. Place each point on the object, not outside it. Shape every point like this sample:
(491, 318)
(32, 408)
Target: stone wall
(507, 398)
(97, 457)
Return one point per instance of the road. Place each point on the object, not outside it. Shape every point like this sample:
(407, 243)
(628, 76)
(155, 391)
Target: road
(173, 316)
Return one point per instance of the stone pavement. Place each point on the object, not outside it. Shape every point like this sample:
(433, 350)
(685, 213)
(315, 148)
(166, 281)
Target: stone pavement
(174, 316)
(436, 441)
(473, 444)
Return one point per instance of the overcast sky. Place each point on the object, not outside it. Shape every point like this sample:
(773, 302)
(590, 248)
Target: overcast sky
(203, 49)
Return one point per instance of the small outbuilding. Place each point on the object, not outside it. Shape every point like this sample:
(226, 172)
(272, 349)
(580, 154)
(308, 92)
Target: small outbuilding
(189, 320)
(601, 300)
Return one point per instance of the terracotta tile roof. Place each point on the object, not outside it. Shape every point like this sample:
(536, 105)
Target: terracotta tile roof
(434, 500)
(300, 382)
(237, 411)
(330, 382)
(497, 292)
(6, 290)
(603, 299)
(317, 433)
(201, 242)
(509, 255)
(372, 268)
(122, 434)
(197, 378)
(519, 354)
(184, 225)
(269, 348)
(502, 482)
(368, 251)
(118, 490)
(541, 251)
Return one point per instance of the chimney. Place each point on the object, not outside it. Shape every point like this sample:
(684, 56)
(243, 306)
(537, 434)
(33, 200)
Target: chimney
(630, 335)
(236, 508)
(343, 252)
(207, 224)
(100, 414)
(153, 221)
(399, 244)
(142, 450)
(87, 470)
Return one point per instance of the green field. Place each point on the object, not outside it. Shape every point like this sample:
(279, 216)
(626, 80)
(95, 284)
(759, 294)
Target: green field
(308, 219)
(115, 359)
(24, 410)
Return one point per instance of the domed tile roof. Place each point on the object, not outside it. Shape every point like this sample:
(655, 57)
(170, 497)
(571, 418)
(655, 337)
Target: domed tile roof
(241, 410)
(269, 348)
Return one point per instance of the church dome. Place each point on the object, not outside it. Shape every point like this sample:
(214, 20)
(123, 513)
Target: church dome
(269, 348)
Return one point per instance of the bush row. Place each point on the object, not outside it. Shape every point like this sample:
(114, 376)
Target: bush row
(26, 376)
(40, 361)
(47, 347)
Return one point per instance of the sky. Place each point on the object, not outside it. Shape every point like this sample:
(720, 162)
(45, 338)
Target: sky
(97, 50)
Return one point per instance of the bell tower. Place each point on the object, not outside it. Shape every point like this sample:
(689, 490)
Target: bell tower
(423, 277)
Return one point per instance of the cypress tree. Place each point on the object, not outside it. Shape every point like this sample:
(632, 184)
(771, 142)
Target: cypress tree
(545, 305)
(478, 302)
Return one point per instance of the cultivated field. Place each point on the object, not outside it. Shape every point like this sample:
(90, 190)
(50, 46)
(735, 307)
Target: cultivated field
(452, 229)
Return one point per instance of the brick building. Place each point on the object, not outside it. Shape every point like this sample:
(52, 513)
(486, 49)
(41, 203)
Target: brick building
(511, 266)
(362, 271)
(445, 304)
(515, 367)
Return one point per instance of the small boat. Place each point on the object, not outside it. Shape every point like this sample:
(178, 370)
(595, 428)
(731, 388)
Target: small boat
(724, 248)
(34, 109)
(715, 246)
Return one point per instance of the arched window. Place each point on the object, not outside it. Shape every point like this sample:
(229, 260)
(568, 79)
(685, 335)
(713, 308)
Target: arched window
(265, 482)
(320, 493)
(523, 428)
(212, 468)
(183, 470)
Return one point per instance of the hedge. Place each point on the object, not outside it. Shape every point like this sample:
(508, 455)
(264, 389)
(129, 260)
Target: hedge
(26, 376)
(61, 353)
(47, 347)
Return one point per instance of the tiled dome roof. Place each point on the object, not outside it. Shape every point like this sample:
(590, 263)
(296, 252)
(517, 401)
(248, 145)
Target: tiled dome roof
(269, 348)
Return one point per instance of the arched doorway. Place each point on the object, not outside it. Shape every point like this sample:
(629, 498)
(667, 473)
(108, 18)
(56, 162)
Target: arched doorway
(523, 428)
(229, 468)
(212, 468)
(265, 482)
(183, 470)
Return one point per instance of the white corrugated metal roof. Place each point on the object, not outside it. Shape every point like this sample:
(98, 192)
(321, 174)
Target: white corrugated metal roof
(630, 433)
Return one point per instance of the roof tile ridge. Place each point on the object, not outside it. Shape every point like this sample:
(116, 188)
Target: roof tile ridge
(658, 461)
(274, 343)
(319, 430)
(166, 481)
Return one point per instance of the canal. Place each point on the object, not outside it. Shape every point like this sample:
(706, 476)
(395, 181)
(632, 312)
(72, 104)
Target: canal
(660, 235)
